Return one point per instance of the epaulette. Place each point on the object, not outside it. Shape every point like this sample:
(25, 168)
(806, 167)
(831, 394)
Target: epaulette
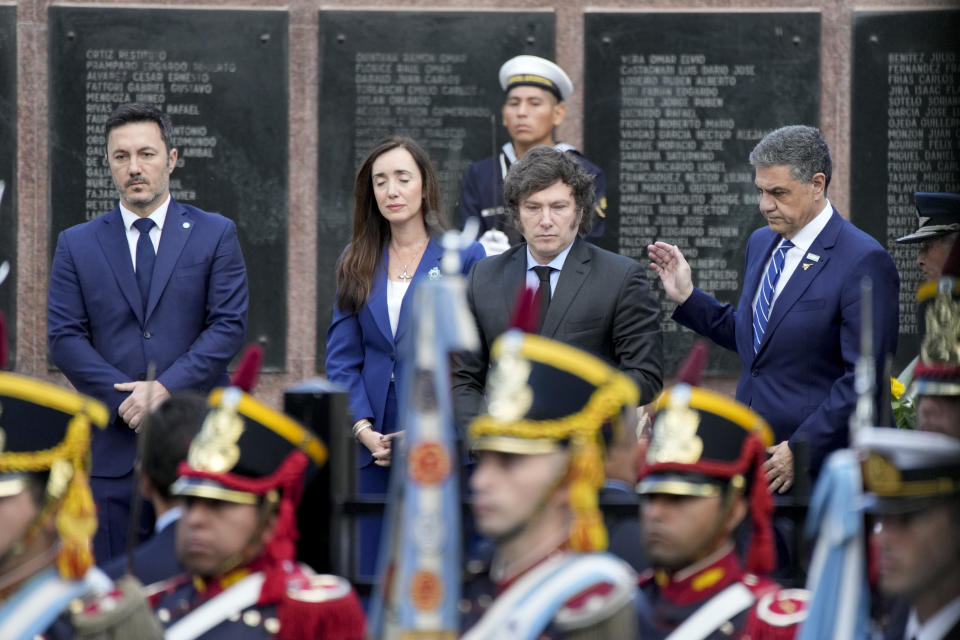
(777, 614)
(592, 605)
(318, 587)
(321, 606)
(122, 612)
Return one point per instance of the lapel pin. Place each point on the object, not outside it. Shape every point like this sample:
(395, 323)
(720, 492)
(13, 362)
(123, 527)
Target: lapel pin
(186, 225)
(806, 265)
(813, 257)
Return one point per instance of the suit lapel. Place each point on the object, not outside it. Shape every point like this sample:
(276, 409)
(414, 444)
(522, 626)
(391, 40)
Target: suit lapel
(112, 236)
(431, 258)
(575, 270)
(176, 231)
(513, 277)
(802, 277)
(378, 299)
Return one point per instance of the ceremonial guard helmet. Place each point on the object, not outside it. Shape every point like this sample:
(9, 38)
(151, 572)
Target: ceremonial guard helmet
(546, 396)
(705, 444)
(45, 430)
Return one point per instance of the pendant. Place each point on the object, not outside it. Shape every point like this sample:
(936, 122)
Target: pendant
(404, 276)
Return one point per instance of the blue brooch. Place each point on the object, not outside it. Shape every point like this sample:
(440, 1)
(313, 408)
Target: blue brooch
(434, 274)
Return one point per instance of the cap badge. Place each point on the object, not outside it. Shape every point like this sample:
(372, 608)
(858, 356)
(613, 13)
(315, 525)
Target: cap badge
(675, 436)
(510, 395)
(880, 475)
(215, 447)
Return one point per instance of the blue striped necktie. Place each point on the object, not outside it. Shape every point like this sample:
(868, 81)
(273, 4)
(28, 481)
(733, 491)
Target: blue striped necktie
(761, 311)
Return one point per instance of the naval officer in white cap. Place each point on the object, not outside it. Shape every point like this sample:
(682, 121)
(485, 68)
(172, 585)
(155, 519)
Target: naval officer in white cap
(534, 93)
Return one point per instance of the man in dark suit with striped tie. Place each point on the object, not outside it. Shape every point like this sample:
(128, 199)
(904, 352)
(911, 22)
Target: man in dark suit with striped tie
(796, 327)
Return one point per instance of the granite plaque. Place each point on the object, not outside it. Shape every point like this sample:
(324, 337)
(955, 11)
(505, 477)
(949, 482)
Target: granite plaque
(674, 104)
(222, 78)
(905, 135)
(8, 175)
(429, 75)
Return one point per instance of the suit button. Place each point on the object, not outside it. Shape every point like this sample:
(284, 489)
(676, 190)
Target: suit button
(147, 335)
(142, 376)
(755, 373)
(393, 357)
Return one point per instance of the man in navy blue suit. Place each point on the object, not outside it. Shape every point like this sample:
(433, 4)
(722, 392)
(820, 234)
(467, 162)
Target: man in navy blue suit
(153, 282)
(167, 438)
(797, 325)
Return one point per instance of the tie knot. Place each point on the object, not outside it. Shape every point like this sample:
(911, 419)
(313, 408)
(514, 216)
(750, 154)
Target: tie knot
(785, 245)
(543, 273)
(144, 225)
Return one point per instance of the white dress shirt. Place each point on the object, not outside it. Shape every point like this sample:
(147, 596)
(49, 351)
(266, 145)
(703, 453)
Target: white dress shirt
(533, 280)
(937, 626)
(158, 216)
(801, 245)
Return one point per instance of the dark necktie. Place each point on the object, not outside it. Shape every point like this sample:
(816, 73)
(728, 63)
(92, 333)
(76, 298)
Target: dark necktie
(544, 274)
(761, 312)
(146, 256)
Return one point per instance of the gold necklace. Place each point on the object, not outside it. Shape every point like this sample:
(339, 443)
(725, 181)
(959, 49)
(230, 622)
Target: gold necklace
(404, 275)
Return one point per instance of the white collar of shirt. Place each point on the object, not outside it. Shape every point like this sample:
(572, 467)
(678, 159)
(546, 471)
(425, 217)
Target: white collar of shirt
(159, 216)
(805, 237)
(937, 626)
(801, 244)
(167, 518)
(533, 281)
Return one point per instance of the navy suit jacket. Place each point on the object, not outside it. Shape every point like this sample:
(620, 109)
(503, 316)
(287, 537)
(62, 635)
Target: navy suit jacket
(801, 379)
(194, 323)
(155, 559)
(362, 353)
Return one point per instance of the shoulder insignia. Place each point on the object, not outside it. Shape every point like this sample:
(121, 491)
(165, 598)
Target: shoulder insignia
(592, 605)
(322, 587)
(784, 607)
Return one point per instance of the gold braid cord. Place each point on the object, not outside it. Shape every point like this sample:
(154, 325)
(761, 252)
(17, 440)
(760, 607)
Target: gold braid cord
(77, 517)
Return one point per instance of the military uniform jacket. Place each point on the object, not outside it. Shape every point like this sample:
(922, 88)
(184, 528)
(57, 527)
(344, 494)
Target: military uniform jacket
(482, 195)
(602, 610)
(41, 606)
(243, 619)
(730, 604)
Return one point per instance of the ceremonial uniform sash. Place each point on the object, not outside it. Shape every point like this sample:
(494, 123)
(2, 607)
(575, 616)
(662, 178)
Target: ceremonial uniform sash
(525, 609)
(217, 609)
(40, 601)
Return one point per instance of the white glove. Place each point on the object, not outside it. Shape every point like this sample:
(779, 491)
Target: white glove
(494, 242)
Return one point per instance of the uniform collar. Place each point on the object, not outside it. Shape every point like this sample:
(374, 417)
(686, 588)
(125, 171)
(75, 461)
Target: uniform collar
(209, 587)
(701, 580)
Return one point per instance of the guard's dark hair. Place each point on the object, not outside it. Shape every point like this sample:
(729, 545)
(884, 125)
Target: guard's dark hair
(140, 112)
(371, 231)
(172, 426)
(799, 147)
(541, 167)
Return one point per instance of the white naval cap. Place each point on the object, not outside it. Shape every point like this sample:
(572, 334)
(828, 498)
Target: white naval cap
(537, 72)
(906, 470)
